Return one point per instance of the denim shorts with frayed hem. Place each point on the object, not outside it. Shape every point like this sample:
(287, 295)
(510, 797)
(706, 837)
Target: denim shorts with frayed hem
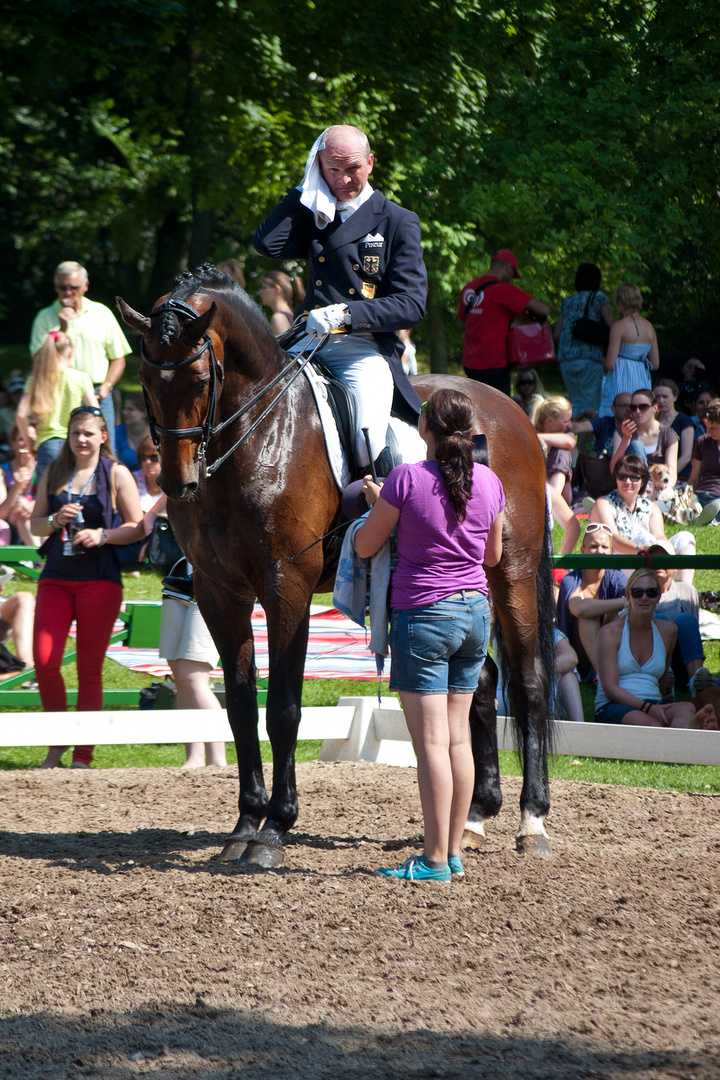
(612, 713)
(441, 647)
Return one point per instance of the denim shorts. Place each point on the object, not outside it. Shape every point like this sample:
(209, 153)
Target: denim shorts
(440, 647)
(613, 713)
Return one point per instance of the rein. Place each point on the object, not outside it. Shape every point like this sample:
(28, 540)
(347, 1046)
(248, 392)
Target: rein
(209, 427)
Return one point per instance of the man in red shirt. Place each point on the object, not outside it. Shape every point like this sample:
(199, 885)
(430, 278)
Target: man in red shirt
(488, 305)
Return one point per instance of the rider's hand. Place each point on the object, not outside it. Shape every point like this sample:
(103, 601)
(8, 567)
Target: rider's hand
(324, 320)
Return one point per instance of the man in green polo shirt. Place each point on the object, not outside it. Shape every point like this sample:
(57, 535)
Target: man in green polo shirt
(99, 345)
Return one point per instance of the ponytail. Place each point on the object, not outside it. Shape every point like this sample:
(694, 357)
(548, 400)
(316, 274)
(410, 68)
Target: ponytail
(449, 417)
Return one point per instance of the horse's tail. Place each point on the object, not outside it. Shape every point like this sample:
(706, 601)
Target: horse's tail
(544, 655)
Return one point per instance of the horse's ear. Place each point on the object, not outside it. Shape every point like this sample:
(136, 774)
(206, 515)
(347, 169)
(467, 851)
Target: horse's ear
(196, 330)
(137, 322)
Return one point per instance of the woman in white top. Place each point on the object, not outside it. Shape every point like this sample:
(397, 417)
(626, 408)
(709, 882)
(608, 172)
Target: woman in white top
(633, 657)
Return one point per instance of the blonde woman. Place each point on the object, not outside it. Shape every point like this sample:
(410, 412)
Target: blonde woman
(51, 393)
(633, 657)
(632, 352)
(552, 419)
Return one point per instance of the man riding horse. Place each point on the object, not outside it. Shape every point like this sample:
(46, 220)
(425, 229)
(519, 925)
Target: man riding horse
(366, 277)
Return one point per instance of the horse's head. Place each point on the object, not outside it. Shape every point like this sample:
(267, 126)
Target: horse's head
(182, 374)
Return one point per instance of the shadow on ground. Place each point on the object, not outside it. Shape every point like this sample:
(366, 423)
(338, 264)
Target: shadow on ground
(199, 1041)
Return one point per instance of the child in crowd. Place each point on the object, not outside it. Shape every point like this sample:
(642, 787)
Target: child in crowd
(552, 419)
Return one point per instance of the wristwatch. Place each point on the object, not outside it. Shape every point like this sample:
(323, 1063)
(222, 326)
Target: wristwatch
(51, 522)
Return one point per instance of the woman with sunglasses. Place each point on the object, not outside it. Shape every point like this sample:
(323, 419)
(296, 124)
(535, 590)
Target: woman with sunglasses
(635, 520)
(525, 387)
(643, 434)
(146, 476)
(633, 658)
(76, 502)
(52, 392)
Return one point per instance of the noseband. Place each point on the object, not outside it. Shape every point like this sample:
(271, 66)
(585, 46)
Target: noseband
(217, 375)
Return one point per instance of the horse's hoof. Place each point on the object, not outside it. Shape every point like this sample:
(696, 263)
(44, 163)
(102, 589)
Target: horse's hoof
(264, 856)
(536, 844)
(472, 839)
(234, 849)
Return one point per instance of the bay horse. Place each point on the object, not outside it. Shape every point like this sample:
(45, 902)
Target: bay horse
(249, 486)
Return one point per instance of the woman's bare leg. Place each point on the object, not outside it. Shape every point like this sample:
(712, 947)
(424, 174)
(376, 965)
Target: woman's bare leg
(19, 612)
(192, 682)
(426, 716)
(462, 767)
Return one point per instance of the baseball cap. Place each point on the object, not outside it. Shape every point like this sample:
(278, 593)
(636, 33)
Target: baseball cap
(664, 545)
(508, 257)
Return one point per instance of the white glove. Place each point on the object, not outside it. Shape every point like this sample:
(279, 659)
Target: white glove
(325, 319)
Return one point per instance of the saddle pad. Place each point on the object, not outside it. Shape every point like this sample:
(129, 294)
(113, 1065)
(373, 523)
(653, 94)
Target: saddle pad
(336, 454)
(410, 445)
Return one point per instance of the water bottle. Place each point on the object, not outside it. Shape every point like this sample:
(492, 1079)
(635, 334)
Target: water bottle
(74, 528)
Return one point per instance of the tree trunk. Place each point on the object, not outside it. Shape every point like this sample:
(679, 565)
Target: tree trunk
(200, 238)
(170, 253)
(438, 342)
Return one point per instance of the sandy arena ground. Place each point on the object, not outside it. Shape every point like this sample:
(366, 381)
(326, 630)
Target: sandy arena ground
(126, 951)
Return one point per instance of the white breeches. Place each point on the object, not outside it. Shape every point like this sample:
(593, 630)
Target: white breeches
(355, 360)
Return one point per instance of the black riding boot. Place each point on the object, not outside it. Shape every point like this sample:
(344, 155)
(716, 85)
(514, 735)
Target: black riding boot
(480, 449)
(384, 463)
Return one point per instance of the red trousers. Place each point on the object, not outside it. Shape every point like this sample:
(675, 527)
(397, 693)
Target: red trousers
(94, 605)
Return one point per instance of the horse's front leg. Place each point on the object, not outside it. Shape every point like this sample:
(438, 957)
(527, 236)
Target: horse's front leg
(287, 641)
(487, 795)
(232, 631)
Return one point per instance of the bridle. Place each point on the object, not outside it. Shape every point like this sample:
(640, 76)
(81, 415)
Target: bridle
(209, 428)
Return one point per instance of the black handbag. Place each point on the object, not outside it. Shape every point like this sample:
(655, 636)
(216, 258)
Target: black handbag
(591, 331)
(163, 549)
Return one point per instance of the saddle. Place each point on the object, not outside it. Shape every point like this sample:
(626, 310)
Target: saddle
(341, 400)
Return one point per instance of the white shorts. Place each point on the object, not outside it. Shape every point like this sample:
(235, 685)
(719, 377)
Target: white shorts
(184, 634)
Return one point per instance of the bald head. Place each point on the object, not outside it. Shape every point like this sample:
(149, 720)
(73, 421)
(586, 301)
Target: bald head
(346, 161)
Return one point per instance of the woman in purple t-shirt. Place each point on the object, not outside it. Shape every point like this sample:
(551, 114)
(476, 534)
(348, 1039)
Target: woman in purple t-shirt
(449, 516)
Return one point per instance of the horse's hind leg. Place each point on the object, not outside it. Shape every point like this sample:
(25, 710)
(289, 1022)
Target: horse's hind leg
(487, 796)
(526, 639)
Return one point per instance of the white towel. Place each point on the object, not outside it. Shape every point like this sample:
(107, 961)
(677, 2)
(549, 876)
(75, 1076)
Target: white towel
(315, 194)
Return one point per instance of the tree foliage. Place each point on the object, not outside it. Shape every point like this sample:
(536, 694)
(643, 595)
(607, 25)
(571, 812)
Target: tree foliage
(142, 135)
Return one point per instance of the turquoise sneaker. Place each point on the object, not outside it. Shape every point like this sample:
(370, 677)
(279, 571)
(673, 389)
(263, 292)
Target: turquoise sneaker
(457, 870)
(415, 869)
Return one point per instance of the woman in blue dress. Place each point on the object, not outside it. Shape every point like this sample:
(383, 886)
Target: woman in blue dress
(632, 352)
(581, 363)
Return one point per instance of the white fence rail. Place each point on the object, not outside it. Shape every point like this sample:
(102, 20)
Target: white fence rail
(357, 729)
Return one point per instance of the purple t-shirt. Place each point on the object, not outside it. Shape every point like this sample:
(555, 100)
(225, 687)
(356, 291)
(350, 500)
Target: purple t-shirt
(437, 554)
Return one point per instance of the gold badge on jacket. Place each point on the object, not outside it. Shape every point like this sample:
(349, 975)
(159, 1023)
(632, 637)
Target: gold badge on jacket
(371, 264)
(368, 290)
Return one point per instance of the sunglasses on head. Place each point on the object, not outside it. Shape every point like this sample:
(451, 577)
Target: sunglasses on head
(652, 593)
(632, 478)
(148, 457)
(596, 526)
(91, 409)
(641, 406)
